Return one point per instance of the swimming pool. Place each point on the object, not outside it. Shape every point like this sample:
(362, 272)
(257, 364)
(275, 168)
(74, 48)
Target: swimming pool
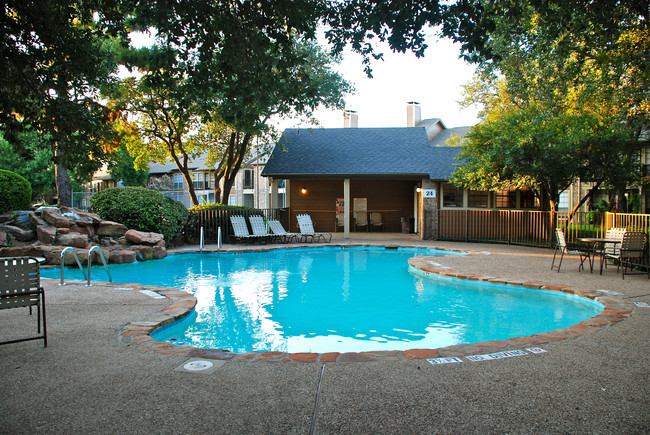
(341, 299)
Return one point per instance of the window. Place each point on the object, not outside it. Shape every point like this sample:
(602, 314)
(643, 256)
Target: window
(197, 180)
(248, 179)
(232, 199)
(527, 198)
(564, 202)
(178, 181)
(451, 196)
(506, 198)
(477, 198)
(247, 200)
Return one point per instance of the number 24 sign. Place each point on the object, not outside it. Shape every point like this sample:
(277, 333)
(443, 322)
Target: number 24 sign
(428, 193)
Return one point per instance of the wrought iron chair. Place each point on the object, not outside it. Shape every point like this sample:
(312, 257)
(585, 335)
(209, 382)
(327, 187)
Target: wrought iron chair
(20, 286)
(632, 252)
(584, 252)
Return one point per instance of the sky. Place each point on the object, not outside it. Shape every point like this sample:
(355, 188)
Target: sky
(435, 81)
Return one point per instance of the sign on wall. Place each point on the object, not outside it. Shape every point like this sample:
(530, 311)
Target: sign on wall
(428, 193)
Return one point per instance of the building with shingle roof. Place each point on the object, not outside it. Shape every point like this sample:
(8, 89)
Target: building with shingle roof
(338, 175)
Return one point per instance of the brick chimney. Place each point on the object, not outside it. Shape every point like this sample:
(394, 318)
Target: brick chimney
(350, 119)
(413, 116)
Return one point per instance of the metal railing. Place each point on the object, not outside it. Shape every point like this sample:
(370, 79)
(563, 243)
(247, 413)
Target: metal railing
(212, 220)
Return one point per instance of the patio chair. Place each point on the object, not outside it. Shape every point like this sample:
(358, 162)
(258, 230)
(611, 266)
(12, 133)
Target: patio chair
(376, 220)
(561, 245)
(360, 220)
(259, 227)
(340, 221)
(632, 252)
(307, 229)
(610, 250)
(278, 230)
(240, 229)
(20, 286)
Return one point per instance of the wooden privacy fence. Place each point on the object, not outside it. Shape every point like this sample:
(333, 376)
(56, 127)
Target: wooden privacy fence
(532, 228)
(211, 220)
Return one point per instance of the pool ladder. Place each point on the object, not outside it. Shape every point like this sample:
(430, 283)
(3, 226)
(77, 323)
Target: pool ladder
(90, 256)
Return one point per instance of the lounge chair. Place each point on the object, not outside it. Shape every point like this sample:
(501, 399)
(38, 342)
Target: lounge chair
(376, 220)
(240, 229)
(259, 227)
(632, 252)
(278, 230)
(20, 286)
(360, 220)
(584, 252)
(307, 229)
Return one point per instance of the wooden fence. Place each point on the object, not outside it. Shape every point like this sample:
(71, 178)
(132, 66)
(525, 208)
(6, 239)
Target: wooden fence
(532, 228)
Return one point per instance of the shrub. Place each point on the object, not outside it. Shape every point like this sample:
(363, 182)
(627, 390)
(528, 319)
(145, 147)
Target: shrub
(15, 192)
(141, 209)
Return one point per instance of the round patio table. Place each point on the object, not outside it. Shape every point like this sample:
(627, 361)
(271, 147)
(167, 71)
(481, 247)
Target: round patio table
(599, 244)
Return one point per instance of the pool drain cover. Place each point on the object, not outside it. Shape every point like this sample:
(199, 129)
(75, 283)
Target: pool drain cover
(200, 366)
(197, 365)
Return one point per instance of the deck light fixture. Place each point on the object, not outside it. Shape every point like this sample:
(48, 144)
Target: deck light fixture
(303, 191)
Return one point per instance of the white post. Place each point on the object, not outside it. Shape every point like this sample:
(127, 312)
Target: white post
(346, 208)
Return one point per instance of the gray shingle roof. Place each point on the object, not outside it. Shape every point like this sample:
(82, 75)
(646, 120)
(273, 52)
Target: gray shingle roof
(360, 152)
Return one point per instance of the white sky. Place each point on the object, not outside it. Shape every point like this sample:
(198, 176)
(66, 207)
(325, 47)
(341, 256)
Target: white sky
(435, 81)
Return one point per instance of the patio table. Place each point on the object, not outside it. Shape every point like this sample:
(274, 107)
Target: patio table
(599, 244)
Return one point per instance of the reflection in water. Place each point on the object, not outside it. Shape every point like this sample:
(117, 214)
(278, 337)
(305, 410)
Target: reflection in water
(321, 300)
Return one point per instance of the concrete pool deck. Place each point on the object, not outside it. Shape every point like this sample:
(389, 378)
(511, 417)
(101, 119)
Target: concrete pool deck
(89, 380)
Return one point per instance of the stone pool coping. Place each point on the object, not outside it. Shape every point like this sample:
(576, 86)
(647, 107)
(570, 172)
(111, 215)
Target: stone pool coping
(137, 333)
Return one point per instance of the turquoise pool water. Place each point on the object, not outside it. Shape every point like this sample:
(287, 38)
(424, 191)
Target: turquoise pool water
(340, 299)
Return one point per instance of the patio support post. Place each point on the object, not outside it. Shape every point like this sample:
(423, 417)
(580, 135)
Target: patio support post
(346, 208)
(429, 224)
(274, 194)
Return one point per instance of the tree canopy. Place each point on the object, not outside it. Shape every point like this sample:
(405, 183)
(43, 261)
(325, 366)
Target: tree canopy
(564, 86)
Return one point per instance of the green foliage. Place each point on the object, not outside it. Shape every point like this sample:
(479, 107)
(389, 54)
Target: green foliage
(141, 209)
(29, 156)
(123, 168)
(15, 192)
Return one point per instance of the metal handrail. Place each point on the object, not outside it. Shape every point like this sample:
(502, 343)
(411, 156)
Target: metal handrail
(76, 257)
(101, 255)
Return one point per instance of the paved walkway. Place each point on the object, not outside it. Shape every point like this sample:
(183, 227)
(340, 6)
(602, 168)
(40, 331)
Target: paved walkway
(89, 381)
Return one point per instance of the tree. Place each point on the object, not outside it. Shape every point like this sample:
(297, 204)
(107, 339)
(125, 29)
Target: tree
(575, 77)
(175, 122)
(53, 63)
(122, 168)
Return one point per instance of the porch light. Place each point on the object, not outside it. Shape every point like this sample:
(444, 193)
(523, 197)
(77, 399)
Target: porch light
(303, 191)
(418, 189)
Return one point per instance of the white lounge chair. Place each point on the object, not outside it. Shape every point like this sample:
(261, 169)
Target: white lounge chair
(259, 227)
(240, 229)
(278, 230)
(307, 229)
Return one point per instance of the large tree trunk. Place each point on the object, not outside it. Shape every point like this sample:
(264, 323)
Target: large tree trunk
(237, 152)
(63, 188)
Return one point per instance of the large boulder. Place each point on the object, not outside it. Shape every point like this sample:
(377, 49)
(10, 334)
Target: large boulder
(53, 216)
(81, 217)
(3, 239)
(72, 239)
(159, 252)
(120, 256)
(46, 234)
(19, 234)
(109, 228)
(142, 252)
(143, 238)
(36, 221)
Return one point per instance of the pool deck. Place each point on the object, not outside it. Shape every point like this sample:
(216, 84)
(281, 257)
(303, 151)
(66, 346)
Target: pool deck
(92, 378)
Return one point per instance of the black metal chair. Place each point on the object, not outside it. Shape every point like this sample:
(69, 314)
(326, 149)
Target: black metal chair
(20, 286)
